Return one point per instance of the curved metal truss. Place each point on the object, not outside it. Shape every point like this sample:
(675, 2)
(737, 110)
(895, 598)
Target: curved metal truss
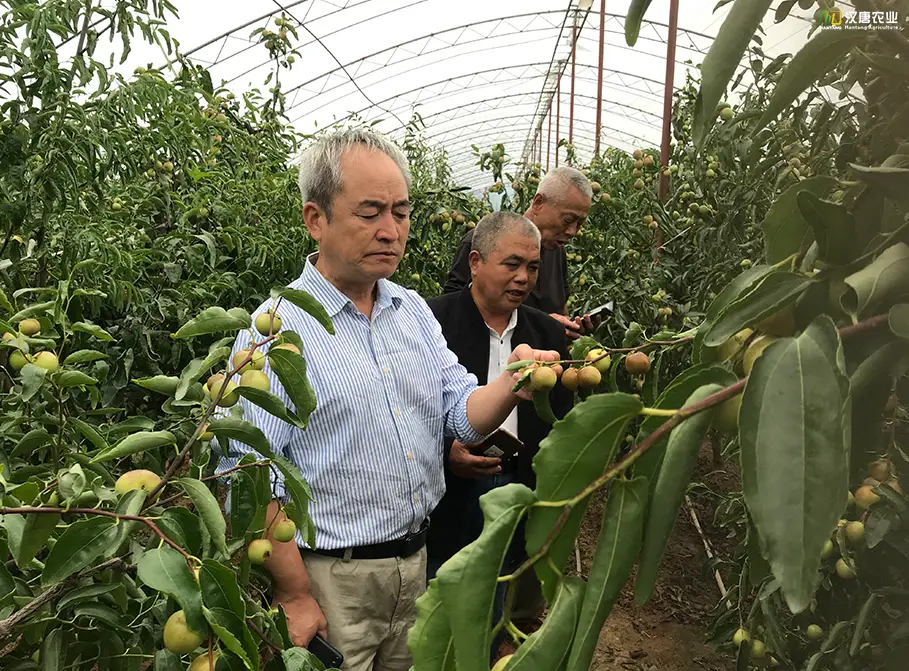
(392, 84)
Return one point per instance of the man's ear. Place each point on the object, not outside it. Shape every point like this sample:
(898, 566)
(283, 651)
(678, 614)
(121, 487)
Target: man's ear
(474, 260)
(315, 219)
(538, 200)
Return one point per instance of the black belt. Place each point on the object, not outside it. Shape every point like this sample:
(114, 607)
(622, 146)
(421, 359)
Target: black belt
(401, 547)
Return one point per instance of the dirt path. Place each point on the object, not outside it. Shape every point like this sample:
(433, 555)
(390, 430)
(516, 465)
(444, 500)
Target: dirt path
(668, 633)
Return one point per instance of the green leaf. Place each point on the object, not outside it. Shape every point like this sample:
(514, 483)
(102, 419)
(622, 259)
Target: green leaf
(898, 320)
(673, 397)
(162, 384)
(74, 378)
(794, 434)
(785, 227)
(165, 660)
(776, 291)
(271, 404)
(198, 367)
(32, 311)
(429, 640)
(5, 305)
(224, 623)
(883, 279)
(136, 442)
(833, 226)
(685, 442)
(576, 451)
(89, 433)
(87, 593)
(84, 356)
(306, 302)
(543, 407)
(243, 503)
(38, 526)
(617, 548)
(300, 659)
(92, 330)
(291, 371)
(821, 55)
(30, 442)
(548, 646)
(467, 581)
(892, 179)
(32, 377)
(221, 593)
(209, 510)
(518, 365)
(213, 320)
(165, 570)
(183, 527)
(53, 650)
(740, 285)
(633, 20)
(723, 59)
(78, 547)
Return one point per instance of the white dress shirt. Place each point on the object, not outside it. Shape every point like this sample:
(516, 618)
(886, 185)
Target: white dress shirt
(499, 350)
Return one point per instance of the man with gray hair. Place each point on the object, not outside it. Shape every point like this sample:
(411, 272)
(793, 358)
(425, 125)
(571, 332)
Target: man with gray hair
(480, 323)
(388, 391)
(558, 209)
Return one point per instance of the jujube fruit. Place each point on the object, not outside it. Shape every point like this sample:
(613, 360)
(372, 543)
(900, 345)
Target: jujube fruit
(138, 479)
(865, 497)
(880, 470)
(47, 360)
(265, 325)
(589, 377)
(845, 570)
(570, 379)
(17, 360)
(289, 346)
(828, 549)
(29, 327)
(741, 636)
(502, 663)
(814, 632)
(259, 550)
(637, 363)
(758, 649)
(231, 395)
(603, 363)
(205, 662)
(781, 323)
(256, 361)
(726, 419)
(733, 344)
(285, 530)
(855, 532)
(217, 377)
(755, 349)
(178, 637)
(256, 379)
(543, 379)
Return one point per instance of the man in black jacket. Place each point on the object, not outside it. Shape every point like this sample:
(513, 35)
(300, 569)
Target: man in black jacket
(481, 324)
(558, 210)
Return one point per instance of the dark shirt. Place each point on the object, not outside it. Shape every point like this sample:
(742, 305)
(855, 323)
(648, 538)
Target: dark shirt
(467, 336)
(550, 293)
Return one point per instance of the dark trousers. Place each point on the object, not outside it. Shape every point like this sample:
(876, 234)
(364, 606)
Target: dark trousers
(466, 528)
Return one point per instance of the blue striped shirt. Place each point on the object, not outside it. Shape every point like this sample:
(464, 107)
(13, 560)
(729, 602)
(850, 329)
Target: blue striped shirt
(387, 391)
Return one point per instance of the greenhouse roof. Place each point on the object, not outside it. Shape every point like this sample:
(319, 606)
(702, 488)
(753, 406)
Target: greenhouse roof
(476, 72)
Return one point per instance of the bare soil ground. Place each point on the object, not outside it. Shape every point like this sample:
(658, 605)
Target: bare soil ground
(668, 633)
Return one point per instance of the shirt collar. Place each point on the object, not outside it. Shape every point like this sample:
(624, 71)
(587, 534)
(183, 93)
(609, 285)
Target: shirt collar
(389, 294)
(512, 323)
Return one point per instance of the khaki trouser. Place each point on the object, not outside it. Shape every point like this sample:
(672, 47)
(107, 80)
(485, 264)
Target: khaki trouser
(370, 607)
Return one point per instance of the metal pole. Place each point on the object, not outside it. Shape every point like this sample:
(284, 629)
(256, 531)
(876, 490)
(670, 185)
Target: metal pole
(596, 151)
(574, 50)
(558, 115)
(540, 147)
(667, 95)
(548, 134)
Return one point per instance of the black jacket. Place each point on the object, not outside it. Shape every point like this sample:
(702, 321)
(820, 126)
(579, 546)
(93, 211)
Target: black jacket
(468, 337)
(550, 294)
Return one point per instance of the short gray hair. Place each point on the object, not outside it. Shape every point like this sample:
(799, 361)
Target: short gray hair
(554, 184)
(320, 163)
(493, 226)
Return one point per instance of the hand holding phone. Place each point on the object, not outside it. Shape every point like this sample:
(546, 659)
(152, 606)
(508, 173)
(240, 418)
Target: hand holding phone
(326, 653)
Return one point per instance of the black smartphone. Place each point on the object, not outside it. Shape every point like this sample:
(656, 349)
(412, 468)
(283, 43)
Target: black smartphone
(605, 307)
(501, 443)
(326, 653)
